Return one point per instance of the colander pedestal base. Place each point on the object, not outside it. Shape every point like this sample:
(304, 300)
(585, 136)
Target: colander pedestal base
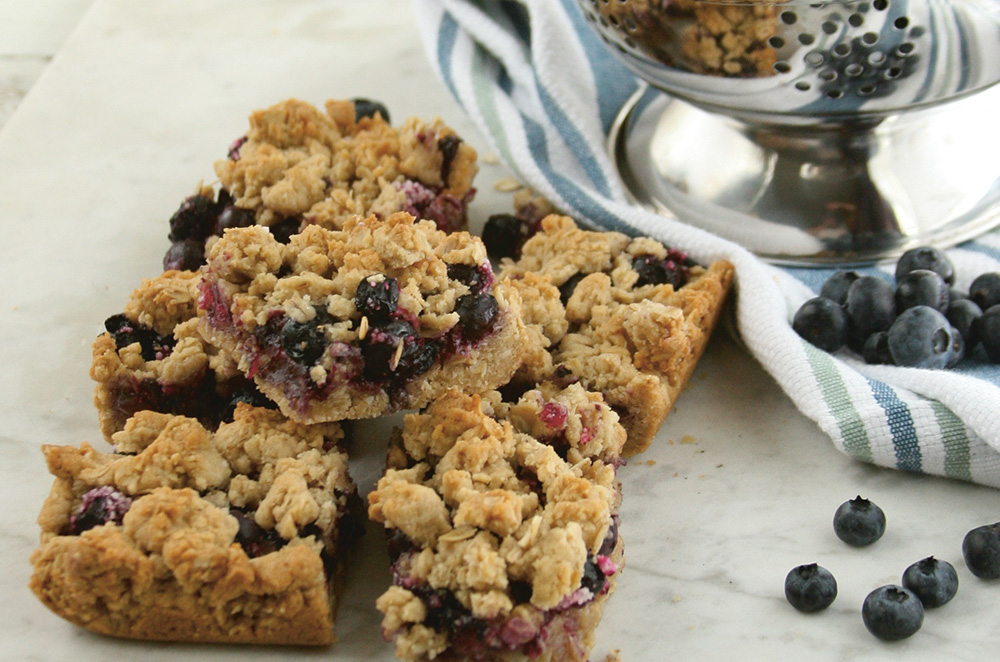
(833, 192)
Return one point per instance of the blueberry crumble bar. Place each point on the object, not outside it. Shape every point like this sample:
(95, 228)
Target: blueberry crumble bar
(152, 356)
(299, 165)
(626, 317)
(382, 315)
(502, 527)
(182, 534)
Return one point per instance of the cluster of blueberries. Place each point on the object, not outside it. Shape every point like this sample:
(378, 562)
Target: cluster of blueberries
(893, 612)
(922, 322)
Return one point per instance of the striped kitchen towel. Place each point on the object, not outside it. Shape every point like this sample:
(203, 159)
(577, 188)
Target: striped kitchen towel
(544, 91)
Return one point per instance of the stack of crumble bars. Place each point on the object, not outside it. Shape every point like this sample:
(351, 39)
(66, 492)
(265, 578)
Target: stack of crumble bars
(330, 278)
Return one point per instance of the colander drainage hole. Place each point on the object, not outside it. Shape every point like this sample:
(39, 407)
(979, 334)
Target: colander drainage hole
(803, 86)
(806, 39)
(869, 38)
(835, 94)
(815, 58)
(789, 17)
(880, 5)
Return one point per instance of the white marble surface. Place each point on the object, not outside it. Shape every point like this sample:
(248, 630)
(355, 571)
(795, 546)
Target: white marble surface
(737, 490)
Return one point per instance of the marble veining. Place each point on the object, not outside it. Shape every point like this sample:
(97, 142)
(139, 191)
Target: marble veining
(738, 488)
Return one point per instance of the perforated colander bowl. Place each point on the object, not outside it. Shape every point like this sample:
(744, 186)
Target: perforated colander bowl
(842, 57)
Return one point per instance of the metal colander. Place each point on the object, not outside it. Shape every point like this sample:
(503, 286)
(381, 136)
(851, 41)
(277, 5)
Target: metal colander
(847, 56)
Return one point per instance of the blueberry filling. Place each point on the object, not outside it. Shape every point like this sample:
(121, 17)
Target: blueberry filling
(396, 350)
(476, 277)
(674, 269)
(254, 539)
(99, 506)
(304, 342)
(234, 148)
(447, 211)
(377, 298)
(125, 333)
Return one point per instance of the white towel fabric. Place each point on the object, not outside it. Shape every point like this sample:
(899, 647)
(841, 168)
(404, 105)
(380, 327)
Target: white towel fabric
(543, 90)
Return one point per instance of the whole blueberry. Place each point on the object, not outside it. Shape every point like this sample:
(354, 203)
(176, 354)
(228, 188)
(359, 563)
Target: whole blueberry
(988, 332)
(876, 349)
(283, 230)
(921, 337)
(593, 579)
(871, 307)
(892, 613)
(194, 219)
(963, 315)
(304, 342)
(957, 350)
(835, 287)
(810, 588)
(232, 216)
(184, 255)
(654, 270)
(934, 581)
(926, 257)
(566, 289)
(981, 549)
(985, 290)
(921, 287)
(377, 297)
(859, 522)
(503, 236)
(396, 351)
(822, 322)
(477, 278)
(477, 313)
(368, 108)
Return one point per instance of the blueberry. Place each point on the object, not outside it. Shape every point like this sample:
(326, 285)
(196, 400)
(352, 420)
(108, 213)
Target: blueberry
(921, 337)
(981, 549)
(232, 216)
(377, 297)
(566, 289)
(871, 307)
(593, 579)
(253, 538)
(988, 332)
(926, 257)
(935, 582)
(610, 538)
(654, 270)
(185, 255)
(810, 588)
(963, 315)
(835, 287)
(368, 108)
(892, 613)
(477, 313)
(876, 349)
(985, 290)
(503, 236)
(126, 332)
(859, 522)
(448, 146)
(444, 611)
(194, 219)
(957, 350)
(396, 350)
(921, 287)
(99, 505)
(822, 322)
(304, 342)
(285, 228)
(475, 277)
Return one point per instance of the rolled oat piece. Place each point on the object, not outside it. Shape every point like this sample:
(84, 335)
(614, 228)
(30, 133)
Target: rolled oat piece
(382, 315)
(299, 165)
(182, 534)
(502, 526)
(153, 357)
(626, 317)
